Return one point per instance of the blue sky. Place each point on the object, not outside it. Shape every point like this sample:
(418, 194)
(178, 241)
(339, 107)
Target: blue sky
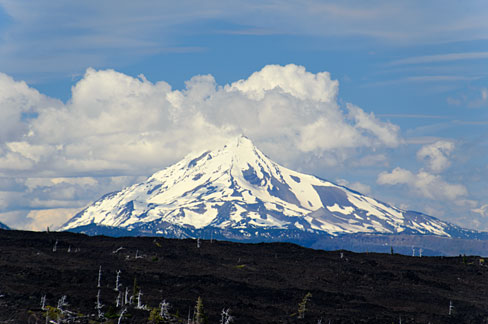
(417, 70)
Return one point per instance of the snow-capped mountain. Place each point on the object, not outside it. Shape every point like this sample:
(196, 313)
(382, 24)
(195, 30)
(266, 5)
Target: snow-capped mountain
(3, 226)
(238, 193)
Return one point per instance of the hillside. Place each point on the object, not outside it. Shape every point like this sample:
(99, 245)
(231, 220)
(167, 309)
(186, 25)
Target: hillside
(260, 283)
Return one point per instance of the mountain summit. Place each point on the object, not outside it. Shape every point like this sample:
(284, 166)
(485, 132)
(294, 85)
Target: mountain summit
(238, 193)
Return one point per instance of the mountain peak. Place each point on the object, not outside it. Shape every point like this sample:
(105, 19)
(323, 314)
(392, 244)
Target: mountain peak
(240, 143)
(243, 139)
(237, 190)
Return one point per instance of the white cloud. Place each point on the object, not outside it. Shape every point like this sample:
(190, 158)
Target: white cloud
(291, 79)
(397, 176)
(436, 155)
(115, 125)
(13, 161)
(40, 220)
(427, 182)
(24, 200)
(14, 219)
(83, 181)
(423, 184)
(328, 134)
(18, 101)
(37, 220)
(384, 132)
(117, 122)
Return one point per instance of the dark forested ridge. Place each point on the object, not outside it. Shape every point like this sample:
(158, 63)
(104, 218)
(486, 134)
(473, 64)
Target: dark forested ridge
(259, 283)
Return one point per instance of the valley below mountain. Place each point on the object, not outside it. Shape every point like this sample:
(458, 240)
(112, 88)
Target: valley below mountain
(258, 283)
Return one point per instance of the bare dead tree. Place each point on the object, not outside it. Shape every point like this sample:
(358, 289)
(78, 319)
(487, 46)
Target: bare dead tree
(43, 302)
(139, 301)
(164, 310)
(117, 250)
(121, 315)
(99, 305)
(226, 318)
(99, 276)
(62, 303)
(117, 280)
(119, 301)
(138, 256)
(126, 297)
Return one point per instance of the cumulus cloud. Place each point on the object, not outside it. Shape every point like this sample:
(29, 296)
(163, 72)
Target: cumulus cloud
(16, 219)
(119, 125)
(18, 102)
(383, 132)
(436, 155)
(428, 182)
(39, 220)
(291, 79)
(423, 184)
(25, 202)
(115, 122)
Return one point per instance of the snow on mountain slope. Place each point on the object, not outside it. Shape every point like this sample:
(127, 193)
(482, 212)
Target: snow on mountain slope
(237, 188)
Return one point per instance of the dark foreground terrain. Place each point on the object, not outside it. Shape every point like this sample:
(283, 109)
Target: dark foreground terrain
(259, 283)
